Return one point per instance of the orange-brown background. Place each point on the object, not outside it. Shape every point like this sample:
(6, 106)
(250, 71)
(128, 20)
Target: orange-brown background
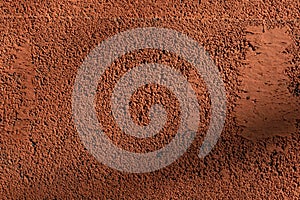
(43, 45)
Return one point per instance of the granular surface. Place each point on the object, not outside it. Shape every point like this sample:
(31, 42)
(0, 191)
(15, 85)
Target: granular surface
(254, 44)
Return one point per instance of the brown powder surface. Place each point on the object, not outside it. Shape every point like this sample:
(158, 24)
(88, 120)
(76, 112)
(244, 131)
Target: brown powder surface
(267, 108)
(44, 43)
